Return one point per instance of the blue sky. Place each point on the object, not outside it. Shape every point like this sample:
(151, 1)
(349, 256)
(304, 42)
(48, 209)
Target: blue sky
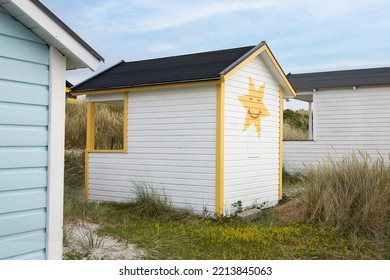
(304, 35)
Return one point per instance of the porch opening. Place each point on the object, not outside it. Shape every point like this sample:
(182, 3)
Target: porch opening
(298, 119)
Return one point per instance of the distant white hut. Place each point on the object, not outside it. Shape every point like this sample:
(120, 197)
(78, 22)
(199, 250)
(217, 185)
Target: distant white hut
(349, 111)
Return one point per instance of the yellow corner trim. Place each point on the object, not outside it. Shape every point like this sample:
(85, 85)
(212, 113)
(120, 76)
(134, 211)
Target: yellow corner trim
(125, 119)
(219, 190)
(150, 87)
(280, 142)
(90, 142)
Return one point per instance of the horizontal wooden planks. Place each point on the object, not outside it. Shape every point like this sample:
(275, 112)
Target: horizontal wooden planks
(22, 136)
(24, 95)
(345, 121)
(10, 27)
(171, 146)
(18, 92)
(251, 164)
(22, 178)
(21, 71)
(24, 221)
(24, 50)
(297, 154)
(22, 200)
(22, 157)
(18, 245)
(23, 114)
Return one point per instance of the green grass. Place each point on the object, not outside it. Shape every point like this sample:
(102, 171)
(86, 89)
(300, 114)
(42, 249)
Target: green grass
(192, 237)
(166, 233)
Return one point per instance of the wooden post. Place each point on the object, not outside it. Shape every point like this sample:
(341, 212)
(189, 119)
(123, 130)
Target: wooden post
(310, 120)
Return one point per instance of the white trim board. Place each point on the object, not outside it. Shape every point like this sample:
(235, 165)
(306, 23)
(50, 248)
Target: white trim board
(77, 56)
(55, 180)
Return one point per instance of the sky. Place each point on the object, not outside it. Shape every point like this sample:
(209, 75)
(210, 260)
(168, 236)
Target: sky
(304, 35)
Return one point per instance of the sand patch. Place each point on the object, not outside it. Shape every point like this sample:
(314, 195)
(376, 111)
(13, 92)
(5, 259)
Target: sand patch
(82, 238)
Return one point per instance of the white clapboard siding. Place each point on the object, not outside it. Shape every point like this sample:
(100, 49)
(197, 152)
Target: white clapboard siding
(345, 121)
(251, 164)
(171, 146)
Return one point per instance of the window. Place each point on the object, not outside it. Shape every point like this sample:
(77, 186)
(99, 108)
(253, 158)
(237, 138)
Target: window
(107, 123)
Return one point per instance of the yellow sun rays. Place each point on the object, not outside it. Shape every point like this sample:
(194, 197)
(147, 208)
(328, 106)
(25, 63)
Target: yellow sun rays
(254, 106)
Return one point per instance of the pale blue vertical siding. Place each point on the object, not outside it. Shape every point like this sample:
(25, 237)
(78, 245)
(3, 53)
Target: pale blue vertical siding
(24, 80)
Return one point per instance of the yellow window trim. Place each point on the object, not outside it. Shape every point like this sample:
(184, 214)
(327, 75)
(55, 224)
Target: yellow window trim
(150, 87)
(280, 142)
(90, 141)
(220, 153)
(125, 119)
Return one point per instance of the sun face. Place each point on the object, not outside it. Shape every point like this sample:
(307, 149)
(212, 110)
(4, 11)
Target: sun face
(254, 106)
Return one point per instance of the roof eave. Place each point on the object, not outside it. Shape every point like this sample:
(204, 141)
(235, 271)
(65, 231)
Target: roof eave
(242, 59)
(144, 86)
(289, 91)
(40, 20)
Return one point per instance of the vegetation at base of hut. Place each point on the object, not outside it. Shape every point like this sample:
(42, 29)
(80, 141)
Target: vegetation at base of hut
(283, 232)
(351, 194)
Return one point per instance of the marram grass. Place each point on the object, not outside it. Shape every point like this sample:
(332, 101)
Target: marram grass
(352, 194)
(292, 133)
(108, 126)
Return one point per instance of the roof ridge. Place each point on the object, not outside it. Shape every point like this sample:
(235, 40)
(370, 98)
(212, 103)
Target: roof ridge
(378, 76)
(338, 71)
(201, 66)
(242, 58)
(98, 74)
(188, 54)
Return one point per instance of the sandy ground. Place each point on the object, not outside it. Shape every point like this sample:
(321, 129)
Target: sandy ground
(82, 238)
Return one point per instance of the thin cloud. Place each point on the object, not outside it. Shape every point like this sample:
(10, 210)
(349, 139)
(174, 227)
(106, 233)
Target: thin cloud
(119, 17)
(305, 35)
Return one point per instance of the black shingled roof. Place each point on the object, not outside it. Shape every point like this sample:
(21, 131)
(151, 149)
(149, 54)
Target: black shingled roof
(203, 66)
(345, 78)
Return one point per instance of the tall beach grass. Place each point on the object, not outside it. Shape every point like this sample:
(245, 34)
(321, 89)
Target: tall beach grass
(293, 133)
(108, 126)
(352, 194)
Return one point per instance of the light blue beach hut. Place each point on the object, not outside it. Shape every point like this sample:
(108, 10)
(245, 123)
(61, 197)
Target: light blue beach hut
(36, 48)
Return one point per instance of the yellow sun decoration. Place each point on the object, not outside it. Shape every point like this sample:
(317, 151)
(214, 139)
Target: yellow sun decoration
(253, 102)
